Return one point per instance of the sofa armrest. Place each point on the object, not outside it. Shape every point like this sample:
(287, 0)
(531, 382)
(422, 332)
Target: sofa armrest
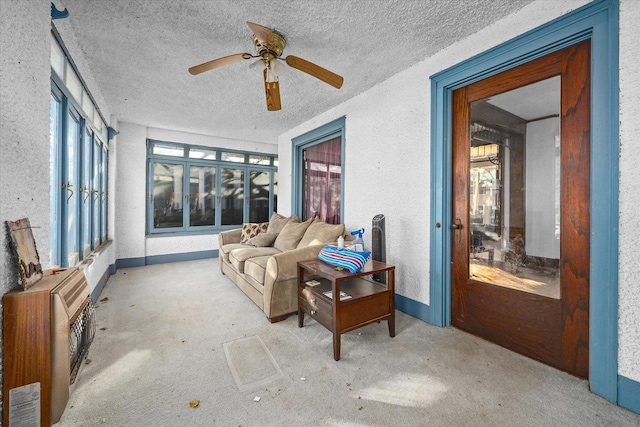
(284, 266)
(280, 281)
(229, 236)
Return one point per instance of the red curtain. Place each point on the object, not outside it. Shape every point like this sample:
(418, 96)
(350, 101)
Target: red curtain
(322, 180)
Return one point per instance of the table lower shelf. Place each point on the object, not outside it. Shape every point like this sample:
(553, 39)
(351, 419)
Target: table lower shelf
(366, 302)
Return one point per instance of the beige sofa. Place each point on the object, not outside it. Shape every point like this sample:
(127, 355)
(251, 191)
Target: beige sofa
(261, 259)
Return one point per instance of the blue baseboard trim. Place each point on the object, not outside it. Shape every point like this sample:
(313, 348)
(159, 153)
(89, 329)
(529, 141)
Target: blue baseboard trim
(100, 286)
(112, 269)
(130, 262)
(162, 259)
(186, 256)
(413, 308)
(629, 394)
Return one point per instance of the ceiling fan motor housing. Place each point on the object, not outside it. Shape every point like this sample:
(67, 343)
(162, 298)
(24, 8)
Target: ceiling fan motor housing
(272, 48)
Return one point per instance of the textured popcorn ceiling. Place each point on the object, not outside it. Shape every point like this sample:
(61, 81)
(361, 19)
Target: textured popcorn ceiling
(139, 51)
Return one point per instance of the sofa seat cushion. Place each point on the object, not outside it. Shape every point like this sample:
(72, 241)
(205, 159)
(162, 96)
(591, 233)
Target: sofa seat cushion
(237, 257)
(225, 250)
(256, 267)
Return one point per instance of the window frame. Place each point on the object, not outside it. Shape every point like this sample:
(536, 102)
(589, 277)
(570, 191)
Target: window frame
(91, 142)
(218, 165)
(326, 132)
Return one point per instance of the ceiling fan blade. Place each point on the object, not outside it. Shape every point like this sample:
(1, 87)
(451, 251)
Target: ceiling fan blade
(272, 91)
(226, 60)
(315, 70)
(263, 34)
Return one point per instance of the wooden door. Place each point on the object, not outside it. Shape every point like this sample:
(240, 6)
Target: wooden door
(520, 234)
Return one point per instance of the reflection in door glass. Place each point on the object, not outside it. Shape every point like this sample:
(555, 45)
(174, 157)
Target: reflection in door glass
(232, 201)
(514, 189)
(259, 196)
(167, 195)
(202, 195)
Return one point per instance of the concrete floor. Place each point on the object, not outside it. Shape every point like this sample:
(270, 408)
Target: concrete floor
(172, 334)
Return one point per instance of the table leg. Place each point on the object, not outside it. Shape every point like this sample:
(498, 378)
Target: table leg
(391, 278)
(336, 346)
(300, 317)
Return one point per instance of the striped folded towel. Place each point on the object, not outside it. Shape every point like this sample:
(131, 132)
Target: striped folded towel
(352, 261)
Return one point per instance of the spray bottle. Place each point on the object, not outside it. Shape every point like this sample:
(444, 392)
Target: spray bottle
(358, 243)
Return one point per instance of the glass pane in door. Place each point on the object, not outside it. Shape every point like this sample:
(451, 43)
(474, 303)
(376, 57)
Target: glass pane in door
(84, 194)
(202, 194)
(232, 197)
(95, 193)
(259, 196)
(70, 196)
(167, 195)
(514, 189)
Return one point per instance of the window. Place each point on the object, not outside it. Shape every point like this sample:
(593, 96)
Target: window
(78, 164)
(317, 174)
(195, 189)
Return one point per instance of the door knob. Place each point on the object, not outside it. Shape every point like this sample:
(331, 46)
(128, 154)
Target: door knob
(457, 224)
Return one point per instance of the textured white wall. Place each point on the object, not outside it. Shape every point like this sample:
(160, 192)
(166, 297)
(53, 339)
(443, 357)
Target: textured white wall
(388, 143)
(24, 129)
(25, 91)
(130, 184)
(629, 274)
(130, 190)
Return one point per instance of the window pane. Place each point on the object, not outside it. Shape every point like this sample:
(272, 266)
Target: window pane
(232, 201)
(202, 194)
(87, 107)
(275, 192)
(57, 58)
(199, 153)
(259, 196)
(84, 193)
(322, 179)
(259, 160)
(103, 193)
(167, 150)
(72, 82)
(95, 194)
(167, 195)
(70, 192)
(232, 157)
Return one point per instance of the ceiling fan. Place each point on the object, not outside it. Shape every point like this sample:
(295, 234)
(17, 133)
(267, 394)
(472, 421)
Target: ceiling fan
(269, 45)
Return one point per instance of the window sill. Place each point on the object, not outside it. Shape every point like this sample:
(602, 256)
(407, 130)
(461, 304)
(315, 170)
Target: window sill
(82, 265)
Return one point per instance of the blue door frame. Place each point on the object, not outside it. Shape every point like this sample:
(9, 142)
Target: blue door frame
(597, 21)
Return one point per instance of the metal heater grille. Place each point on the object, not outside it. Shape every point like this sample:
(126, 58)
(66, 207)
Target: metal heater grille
(82, 331)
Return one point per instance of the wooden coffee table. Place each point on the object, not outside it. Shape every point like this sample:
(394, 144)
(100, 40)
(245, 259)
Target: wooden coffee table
(366, 301)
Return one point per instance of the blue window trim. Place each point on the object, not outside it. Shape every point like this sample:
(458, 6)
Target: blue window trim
(597, 21)
(328, 131)
(218, 165)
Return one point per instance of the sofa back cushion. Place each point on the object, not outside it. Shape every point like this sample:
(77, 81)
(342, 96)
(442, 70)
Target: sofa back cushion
(277, 222)
(320, 233)
(263, 240)
(291, 234)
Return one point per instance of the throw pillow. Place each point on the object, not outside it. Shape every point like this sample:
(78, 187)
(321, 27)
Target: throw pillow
(291, 234)
(321, 233)
(252, 229)
(263, 240)
(277, 222)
